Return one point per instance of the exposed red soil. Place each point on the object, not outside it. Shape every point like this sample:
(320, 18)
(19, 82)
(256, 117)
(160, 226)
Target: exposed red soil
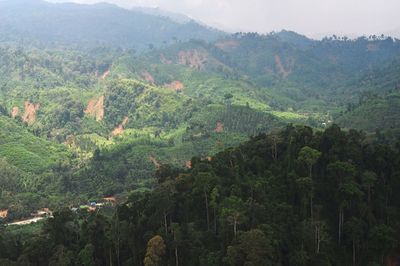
(154, 161)
(95, 108)
(3, 214)
(227, 45)
(148, 77)
(121, 128)
(117, 131)
(15, 112)
(219, 128)
(105, 74)
(175, 85)
(165, 60)
(192, 58)
(30, 112)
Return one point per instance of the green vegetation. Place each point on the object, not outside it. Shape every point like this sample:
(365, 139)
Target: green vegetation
(295, 197)
(170, 104)
(37, 22)
(173, 125)
(26, 151)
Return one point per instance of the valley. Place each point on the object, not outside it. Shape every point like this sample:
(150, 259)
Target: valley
(223, 149)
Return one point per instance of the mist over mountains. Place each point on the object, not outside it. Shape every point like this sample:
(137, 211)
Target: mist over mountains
(35, 21)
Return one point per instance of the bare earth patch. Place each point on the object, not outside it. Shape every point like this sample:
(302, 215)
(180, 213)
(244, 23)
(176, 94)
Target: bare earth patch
(121, 128)
(29, 116)
(105, 74)
(154, 161)
(148, 77)
(164, 60)
(95, 108)
(219, 128)
(3, 214)
(175, 85)
(192, 58)
(284, 71)
(15, 112)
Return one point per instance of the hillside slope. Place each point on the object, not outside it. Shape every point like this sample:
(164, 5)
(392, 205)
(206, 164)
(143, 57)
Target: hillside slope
(88, 26)
(295, 197)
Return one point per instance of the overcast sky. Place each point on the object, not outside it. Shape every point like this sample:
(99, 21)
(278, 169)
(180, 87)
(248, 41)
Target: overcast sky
(311, 17)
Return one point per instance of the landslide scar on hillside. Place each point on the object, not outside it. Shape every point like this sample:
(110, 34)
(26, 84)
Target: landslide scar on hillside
(148, 77)
(15, 112)
(284, 71)
(175, 85)
(95, 108)
(154, 161)
(164, 60)
(29, 115)
(192, 58)
(3, 213)
(121, 128)
(219, 128)
(105, 74)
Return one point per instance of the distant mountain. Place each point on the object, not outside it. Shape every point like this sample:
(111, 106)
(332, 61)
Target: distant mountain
(180, 18)
(294, 38)
(88, 26)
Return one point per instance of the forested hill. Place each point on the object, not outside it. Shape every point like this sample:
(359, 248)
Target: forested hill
(196, 98)
(296, 197)
(99, 101)
(40, 23)
(288, 72)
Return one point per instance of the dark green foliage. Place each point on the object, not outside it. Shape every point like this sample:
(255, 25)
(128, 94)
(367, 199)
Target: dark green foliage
(294, 197)
(246, 207)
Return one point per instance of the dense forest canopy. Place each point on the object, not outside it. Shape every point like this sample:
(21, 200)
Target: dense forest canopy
(295, 197)
(138, 139)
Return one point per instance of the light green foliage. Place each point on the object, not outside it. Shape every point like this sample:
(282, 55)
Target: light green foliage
(26, 151)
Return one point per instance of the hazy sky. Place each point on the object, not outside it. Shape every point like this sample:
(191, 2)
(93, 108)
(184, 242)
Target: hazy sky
(311, 17)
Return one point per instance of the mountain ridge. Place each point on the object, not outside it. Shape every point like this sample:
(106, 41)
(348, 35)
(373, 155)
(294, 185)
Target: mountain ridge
(93, 25)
